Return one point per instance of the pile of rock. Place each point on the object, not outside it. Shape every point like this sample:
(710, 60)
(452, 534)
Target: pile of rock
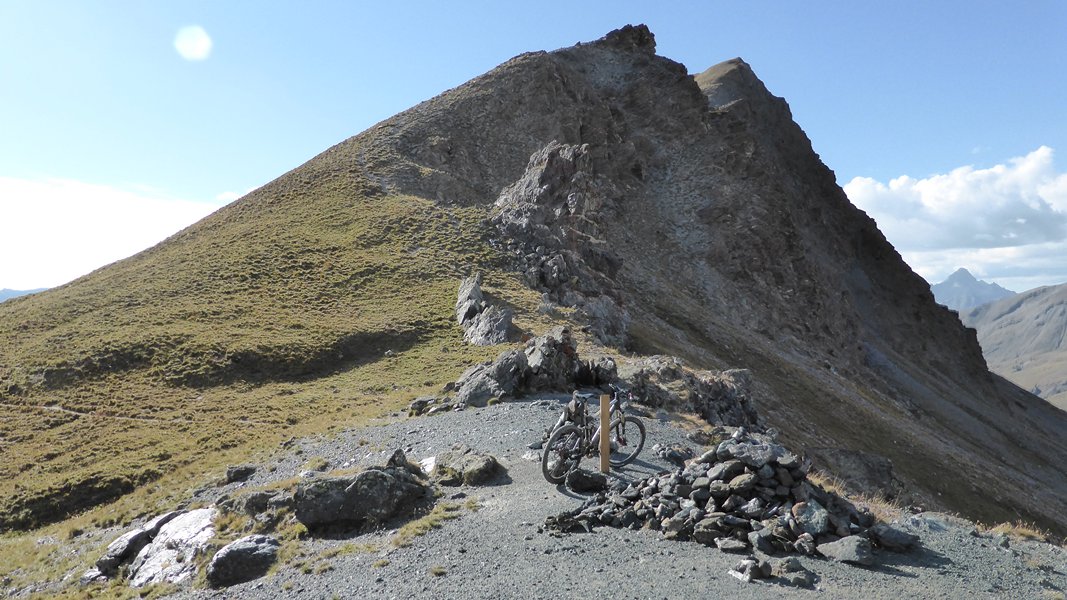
(747, 494)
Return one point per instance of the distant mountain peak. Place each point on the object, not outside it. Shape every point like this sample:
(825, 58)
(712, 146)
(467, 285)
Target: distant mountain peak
(962, 291)
(961, 275)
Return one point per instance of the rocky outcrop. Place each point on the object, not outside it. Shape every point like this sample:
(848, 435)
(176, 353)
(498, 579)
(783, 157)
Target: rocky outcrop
(550, 220)
(551, 363)
(171, 556)
(504, 377)
(367, 498)
(130, 543)
(483, 324)
(242, 560)
(721, 398)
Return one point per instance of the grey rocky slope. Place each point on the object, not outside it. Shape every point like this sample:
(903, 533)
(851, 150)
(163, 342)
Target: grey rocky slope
(689, 216)
(498, 546)
(1023, 339)
(961, 291)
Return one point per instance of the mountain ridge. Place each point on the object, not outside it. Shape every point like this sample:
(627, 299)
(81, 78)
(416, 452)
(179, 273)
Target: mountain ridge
(1023, 338)
(719, 237)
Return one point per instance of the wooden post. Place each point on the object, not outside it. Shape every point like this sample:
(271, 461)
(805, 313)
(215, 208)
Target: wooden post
(605, 435)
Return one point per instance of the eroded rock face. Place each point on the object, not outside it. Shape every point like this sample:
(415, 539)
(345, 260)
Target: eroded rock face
(550, 217)
(130, 543)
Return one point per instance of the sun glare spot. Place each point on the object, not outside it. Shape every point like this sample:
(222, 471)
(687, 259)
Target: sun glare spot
(193, 43)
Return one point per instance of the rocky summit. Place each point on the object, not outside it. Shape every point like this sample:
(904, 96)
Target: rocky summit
(588, 216)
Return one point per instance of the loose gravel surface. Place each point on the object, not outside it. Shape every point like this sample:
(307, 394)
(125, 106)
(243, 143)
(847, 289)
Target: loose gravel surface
(497, 550)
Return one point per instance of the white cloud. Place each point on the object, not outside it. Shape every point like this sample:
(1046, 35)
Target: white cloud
(193, 43)
(1007, 222)
(55, 230)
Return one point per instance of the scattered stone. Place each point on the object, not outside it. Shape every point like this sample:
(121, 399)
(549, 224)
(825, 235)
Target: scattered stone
(675, 454)
(92, 575)
(237, 473)
(243, 560)
(805, 544)
(761, 541)
(852, 549)
(811, 517)
(891, 538)
(751, 568)
(791, 572)
(582, 481)
(420, 405)
(731, 545)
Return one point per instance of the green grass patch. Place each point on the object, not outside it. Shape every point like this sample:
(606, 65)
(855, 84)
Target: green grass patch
(441, 512)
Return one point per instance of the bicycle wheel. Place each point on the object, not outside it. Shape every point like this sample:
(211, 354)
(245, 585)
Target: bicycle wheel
(627, 440)
(562, 453)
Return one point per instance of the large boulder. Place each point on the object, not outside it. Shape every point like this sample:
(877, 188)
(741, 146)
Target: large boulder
(462, 465)
(366, 498)
(243, 560)
(852, 549)
(490, 327)
(503, 377)
(170, 557)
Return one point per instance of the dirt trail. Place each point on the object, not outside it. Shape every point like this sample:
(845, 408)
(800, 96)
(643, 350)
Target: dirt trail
(497, 551)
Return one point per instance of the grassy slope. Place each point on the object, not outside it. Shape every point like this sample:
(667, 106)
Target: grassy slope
(269, 319)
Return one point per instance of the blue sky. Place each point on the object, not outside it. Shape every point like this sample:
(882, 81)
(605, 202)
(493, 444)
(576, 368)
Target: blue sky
(110, 139)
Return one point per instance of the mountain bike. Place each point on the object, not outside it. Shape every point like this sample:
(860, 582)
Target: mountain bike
(577, 434)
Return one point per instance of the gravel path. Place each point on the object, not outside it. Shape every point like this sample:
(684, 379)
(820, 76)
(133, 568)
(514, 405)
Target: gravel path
(497, 551)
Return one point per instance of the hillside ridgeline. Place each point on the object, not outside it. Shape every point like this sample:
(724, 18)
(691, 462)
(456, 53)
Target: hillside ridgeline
(1023, 338)
(668, 214)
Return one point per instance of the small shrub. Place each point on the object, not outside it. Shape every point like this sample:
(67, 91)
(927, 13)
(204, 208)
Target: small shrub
(437, 571)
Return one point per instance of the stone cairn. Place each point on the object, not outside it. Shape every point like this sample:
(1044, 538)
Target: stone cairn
(748, 494)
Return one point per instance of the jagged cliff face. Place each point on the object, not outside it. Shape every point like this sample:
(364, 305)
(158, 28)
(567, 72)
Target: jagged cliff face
(689, 215)
(677, 214)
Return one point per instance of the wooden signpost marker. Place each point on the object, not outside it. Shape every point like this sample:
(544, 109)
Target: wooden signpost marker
(605, 435)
